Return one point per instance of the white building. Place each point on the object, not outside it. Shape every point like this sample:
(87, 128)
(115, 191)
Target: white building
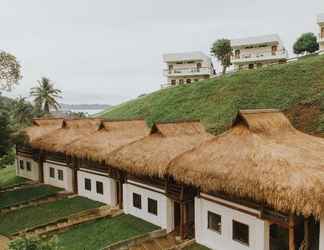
(320, 21)
(184, 68)
(257, 52)
(27, 167)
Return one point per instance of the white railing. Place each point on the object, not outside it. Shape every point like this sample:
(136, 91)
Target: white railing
(260, 56)
(188, 71)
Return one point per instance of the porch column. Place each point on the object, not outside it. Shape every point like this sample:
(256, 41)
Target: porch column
(120, 194)
(291, 229)
(182, 220)
(306, 233)
(40, 169)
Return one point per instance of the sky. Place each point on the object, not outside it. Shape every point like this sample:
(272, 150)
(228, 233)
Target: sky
(110, 51)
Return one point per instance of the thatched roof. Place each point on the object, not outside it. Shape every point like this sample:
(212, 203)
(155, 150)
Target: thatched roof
(72, 130)
(262, 157)
(41, 126)
(110, 137)
(152, 154)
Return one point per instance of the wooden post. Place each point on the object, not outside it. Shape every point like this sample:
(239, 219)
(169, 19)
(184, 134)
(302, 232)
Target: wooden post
(120, 194)
(291, 233)
(182, 221)
(306, 233)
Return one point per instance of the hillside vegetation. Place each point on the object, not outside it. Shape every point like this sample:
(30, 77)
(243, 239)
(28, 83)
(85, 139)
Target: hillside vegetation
(296, 88)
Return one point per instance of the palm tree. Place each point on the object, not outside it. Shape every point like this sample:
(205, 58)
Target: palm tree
(22, 111)
(45, 95)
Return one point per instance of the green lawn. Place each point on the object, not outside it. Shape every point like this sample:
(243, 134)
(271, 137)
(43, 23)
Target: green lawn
(196, 247)
(43, 214)
(19, 196)
(297, 88)
(8, 177)
(98, 234)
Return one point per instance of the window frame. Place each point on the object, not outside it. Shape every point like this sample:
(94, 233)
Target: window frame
(87, 184)
(153, 202)
(209, 226)
(52, 172)
(60, 174)
(99, 184)
(28, 166)
(137, 203)
(21, 164)
(235, 233)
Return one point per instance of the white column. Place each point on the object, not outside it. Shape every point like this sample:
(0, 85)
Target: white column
(321, 239)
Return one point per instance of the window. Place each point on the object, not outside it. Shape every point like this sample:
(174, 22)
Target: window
(214, 222)
(99, 186)
(137, 201)
(28, 166)
(173, 82)
(21, 164)
(274, 50)
(237, 54)
(152, 206)
(251, 66)
(52, 172)
(60, 174)
(241, 232)
(87, 184)
(188, 80)
(181, 81)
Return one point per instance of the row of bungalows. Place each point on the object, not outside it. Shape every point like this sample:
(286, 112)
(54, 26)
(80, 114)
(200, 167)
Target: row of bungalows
(258, 186)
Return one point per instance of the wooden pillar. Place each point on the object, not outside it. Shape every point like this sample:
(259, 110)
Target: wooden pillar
(120, 194)
(306, 233)
(182, 221)
(291, 233)
(40, 168)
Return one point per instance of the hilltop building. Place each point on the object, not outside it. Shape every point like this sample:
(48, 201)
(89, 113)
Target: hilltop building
(184, 68)
(320, 21)
(257, 52)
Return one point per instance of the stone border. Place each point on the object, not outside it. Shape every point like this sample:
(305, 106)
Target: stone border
(136, 240)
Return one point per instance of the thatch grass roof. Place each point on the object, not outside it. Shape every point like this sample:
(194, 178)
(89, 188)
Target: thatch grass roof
(110, 137)
(152, 154)
(41, 127)
(72, 130)
(262, 157)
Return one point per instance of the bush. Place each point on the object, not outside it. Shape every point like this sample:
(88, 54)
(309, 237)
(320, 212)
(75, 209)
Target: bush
(33, 243)
(8, 159)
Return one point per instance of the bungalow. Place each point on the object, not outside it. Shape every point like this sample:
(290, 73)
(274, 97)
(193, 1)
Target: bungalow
(95, 179)
(147, 193)
(261, 185)
(59, 170)
(28, 161)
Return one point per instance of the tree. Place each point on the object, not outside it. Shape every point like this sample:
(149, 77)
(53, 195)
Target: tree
(10, 71)
(223, 51)
(22, 112)
(307, 42)
(45, 95)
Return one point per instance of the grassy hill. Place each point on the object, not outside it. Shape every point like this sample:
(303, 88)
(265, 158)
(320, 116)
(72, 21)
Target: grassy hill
(296, 88)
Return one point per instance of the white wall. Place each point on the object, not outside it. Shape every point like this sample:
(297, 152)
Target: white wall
(109, 195)
(165, 215)
(33, 174)
(259, 230)
(66, 183)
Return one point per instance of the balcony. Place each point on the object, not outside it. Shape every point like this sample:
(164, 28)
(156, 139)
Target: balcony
(188, 71)
(265, 56)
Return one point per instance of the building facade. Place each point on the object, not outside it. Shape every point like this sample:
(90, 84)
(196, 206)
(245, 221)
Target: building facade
(257, 52)
(186, 68)
(320, 21)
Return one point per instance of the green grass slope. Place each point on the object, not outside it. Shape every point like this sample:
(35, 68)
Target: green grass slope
(296, 88)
